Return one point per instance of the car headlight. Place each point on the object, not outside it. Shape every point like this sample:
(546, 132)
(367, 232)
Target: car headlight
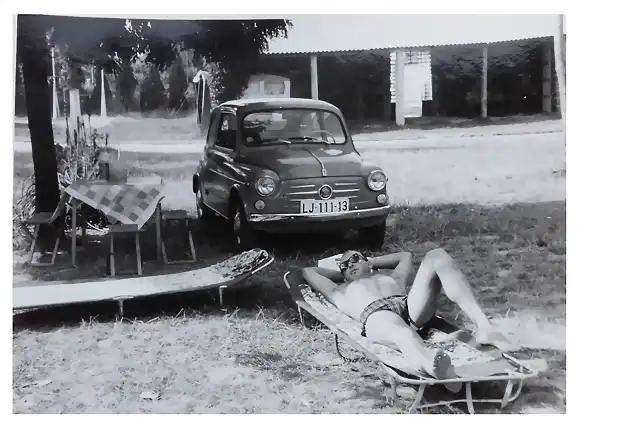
(265, 186)
(377, 180)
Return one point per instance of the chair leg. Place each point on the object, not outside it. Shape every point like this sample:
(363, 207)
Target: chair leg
(165, 259)
(191, 245)
(112, 256)
(138, 258)
(55, 251)
(32, 249)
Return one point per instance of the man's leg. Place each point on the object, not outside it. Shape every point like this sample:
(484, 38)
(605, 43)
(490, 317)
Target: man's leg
(438, 271)
(388, 328)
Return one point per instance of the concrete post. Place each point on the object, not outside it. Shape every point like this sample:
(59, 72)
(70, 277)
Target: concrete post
(400, 87)
(546, 79)
(485, 69)
(558, 48)
(314, 77)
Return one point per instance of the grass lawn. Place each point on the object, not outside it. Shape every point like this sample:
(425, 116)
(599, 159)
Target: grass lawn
(187, 354)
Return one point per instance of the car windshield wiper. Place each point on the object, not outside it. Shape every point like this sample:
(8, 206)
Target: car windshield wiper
(308, 138)
(267, 140)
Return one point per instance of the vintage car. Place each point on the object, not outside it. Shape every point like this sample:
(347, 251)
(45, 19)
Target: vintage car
(288, 165)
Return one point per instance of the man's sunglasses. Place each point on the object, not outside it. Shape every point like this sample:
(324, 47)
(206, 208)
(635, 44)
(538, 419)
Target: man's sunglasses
(353, 259)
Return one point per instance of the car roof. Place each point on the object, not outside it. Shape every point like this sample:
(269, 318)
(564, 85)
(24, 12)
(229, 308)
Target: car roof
(282, 102)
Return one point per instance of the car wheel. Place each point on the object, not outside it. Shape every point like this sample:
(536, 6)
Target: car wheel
(204, 213)
(372, 237)
(244, 238)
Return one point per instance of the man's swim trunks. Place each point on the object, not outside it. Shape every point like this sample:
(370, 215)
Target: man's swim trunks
(396, 304)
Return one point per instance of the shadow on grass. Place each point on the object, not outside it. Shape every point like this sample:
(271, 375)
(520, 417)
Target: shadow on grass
(510, 254)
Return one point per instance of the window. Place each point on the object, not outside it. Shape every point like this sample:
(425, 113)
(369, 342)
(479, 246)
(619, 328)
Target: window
(414, 57)
(292, 126)
(227, 132)
(213, 126)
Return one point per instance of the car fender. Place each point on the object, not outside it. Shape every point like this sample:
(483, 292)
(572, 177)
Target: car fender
(235, 194)
(194, 182)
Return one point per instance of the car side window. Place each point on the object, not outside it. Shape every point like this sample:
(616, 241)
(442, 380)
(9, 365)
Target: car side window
(227, 131)
(213, 127)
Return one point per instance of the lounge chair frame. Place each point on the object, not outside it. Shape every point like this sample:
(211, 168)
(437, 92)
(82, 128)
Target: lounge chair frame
(514, 382)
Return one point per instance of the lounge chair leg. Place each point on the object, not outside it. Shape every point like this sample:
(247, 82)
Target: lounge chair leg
(507, 394)
(220, 294)
(301, 316)
(469, 398)
(394, 389)
(165, 259)
(121, 308)
(32, 250)
(191, 245)
(418, 399)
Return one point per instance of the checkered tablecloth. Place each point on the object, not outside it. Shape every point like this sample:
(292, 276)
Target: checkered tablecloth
(122, 202)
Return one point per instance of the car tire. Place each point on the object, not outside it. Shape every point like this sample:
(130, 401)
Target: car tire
(373, 237)
(243, 237)
(205, 214)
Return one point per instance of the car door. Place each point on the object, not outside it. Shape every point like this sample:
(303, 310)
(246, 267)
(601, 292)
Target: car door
(207, 169)
(224, 153)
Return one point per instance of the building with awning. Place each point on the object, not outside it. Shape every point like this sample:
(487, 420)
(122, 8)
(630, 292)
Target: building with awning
(411, 44)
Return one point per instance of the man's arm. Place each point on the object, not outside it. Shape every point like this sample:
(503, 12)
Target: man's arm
(399, 262)
(322, 280)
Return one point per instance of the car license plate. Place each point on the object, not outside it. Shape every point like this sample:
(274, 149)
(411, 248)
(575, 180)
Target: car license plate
(338, 205)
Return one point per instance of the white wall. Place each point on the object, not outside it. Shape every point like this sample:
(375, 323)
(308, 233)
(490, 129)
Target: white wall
(266, 86)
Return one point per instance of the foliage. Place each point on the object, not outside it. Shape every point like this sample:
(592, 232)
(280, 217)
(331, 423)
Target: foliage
(514, 79)
(232, 44)
(152, 92)
(78, 159)
(177, 87)
(126, 87)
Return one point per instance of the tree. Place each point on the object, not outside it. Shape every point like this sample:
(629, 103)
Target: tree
(152, 95)
(126, 86)
(20, 102)
(33, 51)
(232, 44)
(101, 40)
(177, 86)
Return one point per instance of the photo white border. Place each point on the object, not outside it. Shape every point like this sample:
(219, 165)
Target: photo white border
(602, 160)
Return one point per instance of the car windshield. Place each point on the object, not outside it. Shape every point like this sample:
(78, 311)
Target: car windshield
(287, 126)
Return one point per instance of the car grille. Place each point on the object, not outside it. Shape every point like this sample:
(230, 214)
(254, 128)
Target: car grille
(354, 188)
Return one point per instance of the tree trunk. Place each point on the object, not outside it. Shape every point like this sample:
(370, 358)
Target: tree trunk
(34, 55)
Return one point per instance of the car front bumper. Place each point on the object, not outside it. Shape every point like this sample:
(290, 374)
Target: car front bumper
(311, 222)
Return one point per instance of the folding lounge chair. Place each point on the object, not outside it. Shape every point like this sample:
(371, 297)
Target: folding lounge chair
(480, 366)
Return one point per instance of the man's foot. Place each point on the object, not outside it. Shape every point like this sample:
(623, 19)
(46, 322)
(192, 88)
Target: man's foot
(443, 370)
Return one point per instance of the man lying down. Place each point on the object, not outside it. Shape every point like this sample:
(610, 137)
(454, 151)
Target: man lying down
(391, 316)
